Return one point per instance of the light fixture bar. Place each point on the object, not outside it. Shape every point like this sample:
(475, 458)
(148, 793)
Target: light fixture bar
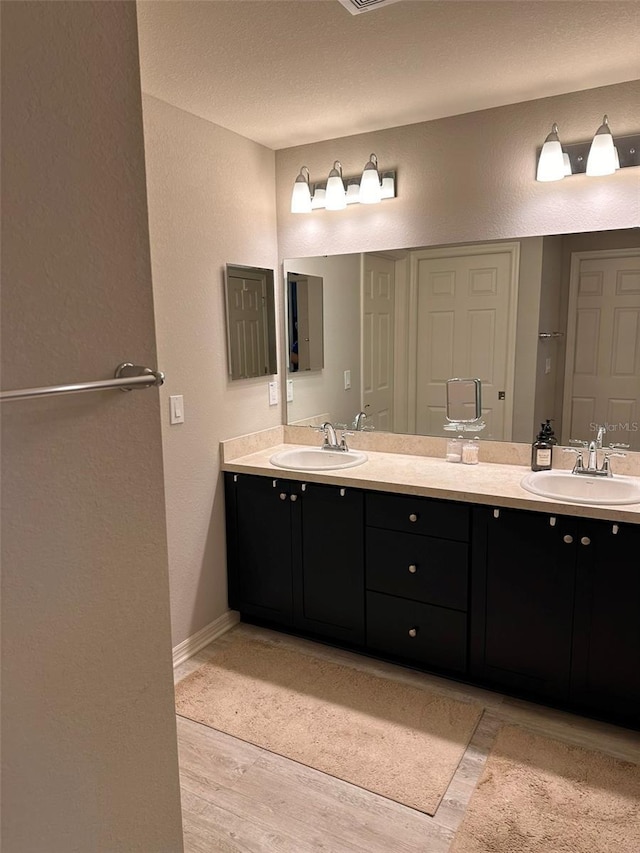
(388, 188)
(628, 148)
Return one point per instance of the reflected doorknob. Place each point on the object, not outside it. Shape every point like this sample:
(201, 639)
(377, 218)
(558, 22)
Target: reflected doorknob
(413, 632)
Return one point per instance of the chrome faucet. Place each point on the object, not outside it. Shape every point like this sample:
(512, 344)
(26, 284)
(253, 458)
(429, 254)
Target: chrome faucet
(358, 421)
(330, 437)
(593, 446)
(331, 441)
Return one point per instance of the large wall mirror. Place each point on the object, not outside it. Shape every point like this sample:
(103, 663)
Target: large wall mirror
(551, 326)
(251, 322)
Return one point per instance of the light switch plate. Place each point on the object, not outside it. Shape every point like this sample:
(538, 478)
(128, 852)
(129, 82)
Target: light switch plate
(347, 380)
(176, 409)
(289, 390)
(273, 393)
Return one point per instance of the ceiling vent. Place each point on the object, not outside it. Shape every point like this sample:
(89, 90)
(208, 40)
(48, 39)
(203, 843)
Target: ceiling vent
(356, 7)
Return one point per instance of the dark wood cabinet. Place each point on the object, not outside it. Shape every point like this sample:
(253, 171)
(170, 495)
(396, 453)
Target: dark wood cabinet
(296, 554)
(523, 591)
(417, 568)
(542, 605)
(605, 675)
(556, 609)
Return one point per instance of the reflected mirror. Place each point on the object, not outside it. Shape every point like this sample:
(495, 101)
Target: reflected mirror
(550, 325)
(251, 322)
(464, 405)
(305, 322)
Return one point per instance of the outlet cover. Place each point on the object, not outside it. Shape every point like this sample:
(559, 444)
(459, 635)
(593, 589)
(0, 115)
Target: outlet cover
(289, 390)
(273, 393)
(347, 380)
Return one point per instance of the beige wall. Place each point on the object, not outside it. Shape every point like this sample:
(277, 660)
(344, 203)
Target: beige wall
(211, 202)
(322, 391)
(88, 729)
(466, 178)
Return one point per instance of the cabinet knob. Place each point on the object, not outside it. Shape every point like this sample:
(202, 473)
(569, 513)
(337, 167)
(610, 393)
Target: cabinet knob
(413, 632)
(283, 496)
(294, 498)
(568, 539)
(413, 568)
(585, 540)
(413, 517)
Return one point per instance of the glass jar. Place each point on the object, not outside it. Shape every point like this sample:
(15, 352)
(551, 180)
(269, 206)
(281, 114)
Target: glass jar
(454, 450)
(471, 451)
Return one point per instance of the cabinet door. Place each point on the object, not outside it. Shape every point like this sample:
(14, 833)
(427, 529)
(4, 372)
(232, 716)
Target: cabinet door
(606, 652)
(522, 600)
(329, 583)
(260, 559)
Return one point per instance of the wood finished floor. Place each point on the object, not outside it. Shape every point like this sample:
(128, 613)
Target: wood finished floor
(239, 798)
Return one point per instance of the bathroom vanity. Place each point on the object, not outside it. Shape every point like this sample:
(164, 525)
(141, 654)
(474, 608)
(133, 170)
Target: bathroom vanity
(505, 590)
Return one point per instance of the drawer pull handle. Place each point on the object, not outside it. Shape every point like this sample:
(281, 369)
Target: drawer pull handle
(615, 529)
(283, 496)
(568, 539)
(413, 632)
(343, 492)
(585, 540)
(304, 487)
(413, 517)
(552, 521)
(294, 498)
(413, 568)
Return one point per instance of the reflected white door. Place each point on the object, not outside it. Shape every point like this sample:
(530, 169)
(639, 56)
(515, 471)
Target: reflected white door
(247, 349)
(377, 341)
(602, 382)
(465, 329)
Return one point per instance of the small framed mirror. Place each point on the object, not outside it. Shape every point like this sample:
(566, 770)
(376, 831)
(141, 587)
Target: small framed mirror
(305, 322)
(251, 321)
(464, 401)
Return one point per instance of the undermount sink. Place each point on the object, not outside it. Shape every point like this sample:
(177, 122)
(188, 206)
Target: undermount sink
(581, 488)
(316, 459)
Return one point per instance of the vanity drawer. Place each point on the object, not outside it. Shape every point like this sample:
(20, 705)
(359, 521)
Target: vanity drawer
(434, 636)
(423, 568)
(444, 519)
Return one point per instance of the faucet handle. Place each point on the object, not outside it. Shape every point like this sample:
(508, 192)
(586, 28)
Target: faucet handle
(578, 442)
(618, 445)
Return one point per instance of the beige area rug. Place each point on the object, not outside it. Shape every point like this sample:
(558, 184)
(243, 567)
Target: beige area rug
(538, 795)
(391, 738)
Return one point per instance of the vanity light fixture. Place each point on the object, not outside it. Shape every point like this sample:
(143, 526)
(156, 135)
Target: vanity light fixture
(336, 194)
(602, 154)
(370, 183)
(370, 188)
(599, 157)
(301, 195)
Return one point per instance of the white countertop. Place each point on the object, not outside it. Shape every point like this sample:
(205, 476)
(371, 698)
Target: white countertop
(487, 483)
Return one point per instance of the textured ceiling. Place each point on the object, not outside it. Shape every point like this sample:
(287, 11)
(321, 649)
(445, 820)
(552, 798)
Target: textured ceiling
(289, 72)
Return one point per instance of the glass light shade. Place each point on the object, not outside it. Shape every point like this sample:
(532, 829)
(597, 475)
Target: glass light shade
(602, 156)
(370, 187)
(301, 198)
(301, 195)
(319, 198)
(567, 165)
(617, 158)
(336, 195)
(353, 192)
(388, 189)
(551, 165)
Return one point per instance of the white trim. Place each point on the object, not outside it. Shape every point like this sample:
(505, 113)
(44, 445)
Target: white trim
(192, 645)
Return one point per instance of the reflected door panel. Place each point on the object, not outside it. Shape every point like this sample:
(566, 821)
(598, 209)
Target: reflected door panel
(246, 297)
(463, 330)
(603, 363)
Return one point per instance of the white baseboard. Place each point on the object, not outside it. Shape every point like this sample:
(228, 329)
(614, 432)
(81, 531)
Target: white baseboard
(192, 645)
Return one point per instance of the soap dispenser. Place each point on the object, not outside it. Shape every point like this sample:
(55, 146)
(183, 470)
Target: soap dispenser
(542, 447)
